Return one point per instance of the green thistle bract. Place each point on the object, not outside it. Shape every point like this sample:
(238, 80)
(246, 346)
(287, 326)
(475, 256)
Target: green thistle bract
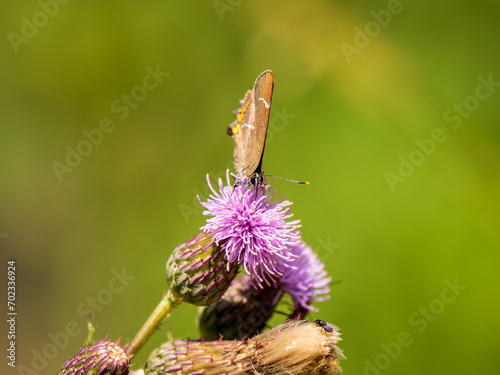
(198, 272)
(100, 358)
(292, 348)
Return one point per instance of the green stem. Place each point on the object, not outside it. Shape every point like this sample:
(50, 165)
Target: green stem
(166, 305)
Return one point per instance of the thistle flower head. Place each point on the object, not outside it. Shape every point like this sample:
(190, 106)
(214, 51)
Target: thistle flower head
(307, 281)
(244, 310)
(292, 348)
(251, 229)
(198, 271)
(100, 358)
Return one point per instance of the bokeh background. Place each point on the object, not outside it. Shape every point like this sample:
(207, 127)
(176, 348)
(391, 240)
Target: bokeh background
(358, 86)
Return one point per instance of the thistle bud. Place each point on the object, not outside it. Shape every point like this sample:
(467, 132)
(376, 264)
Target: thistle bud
(293, 348)
(242, 312)
(298, 347)
(192, 357)
(102, 357)
(198, 271)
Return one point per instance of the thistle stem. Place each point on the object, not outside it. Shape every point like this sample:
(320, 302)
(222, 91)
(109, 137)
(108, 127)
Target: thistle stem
(166, 305)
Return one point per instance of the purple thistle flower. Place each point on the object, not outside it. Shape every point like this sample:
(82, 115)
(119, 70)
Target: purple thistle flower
(101, 358)
(307, 281)
(244, 310)
(252, 230)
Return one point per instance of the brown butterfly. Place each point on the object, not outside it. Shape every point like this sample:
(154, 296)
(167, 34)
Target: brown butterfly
(249, 130)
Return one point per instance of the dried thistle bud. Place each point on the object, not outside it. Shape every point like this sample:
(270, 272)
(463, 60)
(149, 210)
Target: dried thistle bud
(100, 358)
(293, 348)
(198, 271)
(298, 347)
(242, 312)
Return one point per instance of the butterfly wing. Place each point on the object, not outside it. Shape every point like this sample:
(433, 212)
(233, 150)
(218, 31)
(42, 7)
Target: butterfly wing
(249, 130)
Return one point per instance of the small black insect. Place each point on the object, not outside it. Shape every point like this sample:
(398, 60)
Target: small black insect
(328, 327)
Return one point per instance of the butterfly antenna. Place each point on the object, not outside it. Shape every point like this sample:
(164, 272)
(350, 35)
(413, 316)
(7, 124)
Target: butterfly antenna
(286, 179)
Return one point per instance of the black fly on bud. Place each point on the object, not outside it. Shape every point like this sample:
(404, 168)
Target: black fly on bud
(328, 327)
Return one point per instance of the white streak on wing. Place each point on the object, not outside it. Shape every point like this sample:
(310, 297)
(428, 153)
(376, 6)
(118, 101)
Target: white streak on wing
(265, 103)
(291, 346)
(248, 126)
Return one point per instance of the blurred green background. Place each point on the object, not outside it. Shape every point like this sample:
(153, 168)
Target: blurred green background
(358, 86)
